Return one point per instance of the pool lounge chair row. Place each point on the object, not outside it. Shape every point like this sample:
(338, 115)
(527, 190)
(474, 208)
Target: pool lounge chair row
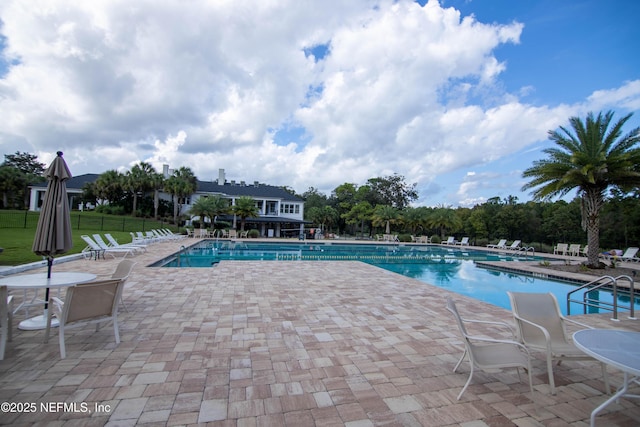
(452, 241)
(515, 246)
(98, 247)
(153, 236)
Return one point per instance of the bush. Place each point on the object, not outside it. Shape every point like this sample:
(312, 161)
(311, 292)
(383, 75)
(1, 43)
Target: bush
(254, 234)
(435, 239)
(404, 237)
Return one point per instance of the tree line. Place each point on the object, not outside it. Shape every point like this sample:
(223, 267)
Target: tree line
(544, 223)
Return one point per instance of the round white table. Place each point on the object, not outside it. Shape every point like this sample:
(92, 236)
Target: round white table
(617, 348)
(39, 281)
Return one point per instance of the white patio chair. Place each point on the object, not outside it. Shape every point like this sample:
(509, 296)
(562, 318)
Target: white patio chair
(488, 353)
(574, 249)
(540, 325)
(561, 249)
(93, 302)
(122, 272)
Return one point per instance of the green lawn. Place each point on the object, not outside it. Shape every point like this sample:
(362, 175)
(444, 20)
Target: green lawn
(17, 242)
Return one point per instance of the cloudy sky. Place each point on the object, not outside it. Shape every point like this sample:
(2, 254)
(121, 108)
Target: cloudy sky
(456, 96)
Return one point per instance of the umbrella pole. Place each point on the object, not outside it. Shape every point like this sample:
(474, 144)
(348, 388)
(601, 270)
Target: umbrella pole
(46, 293)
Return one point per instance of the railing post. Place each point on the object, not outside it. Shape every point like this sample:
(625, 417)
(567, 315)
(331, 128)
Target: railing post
(632, 301)
(615, 300)
(631, 295)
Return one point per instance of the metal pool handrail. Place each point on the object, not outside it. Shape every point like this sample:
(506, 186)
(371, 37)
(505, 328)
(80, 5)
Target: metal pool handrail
(596, 284)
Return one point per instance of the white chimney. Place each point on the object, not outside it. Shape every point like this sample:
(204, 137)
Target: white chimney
(221, 178)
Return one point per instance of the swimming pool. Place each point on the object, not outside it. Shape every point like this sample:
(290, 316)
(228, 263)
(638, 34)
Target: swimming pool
(453, 268)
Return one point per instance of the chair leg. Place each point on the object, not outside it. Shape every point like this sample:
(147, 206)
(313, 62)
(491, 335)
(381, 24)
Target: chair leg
(116, 331)
(63, 350)
(468, 382)
(4, 324)
(552, 383)
(605, 376)
(530, 380)
(3, 341)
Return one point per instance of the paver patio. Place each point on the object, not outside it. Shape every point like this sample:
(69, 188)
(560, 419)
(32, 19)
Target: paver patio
(268, 343)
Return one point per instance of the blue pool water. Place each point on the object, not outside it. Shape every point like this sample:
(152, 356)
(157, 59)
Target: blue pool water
(453, 268)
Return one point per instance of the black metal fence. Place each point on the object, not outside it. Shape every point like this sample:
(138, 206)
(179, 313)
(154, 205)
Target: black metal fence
(80, 221)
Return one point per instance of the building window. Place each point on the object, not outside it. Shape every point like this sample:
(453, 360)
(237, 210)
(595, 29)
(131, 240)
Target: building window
(287, 208)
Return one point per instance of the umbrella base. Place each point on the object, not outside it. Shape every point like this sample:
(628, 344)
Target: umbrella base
(36, 323)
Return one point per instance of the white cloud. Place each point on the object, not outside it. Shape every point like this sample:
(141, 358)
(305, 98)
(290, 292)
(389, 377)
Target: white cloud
(403, 89)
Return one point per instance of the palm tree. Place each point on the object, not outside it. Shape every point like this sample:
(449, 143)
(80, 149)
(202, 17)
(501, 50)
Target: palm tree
(218, 206)
(180, 185)
(328, 217)
(591, 159)
(444, 218)
(360, 212)
(209, 207)
(201, 208)
(157, 184)
(108, 186)
(385, 215)
(245, 207)
(138, 180)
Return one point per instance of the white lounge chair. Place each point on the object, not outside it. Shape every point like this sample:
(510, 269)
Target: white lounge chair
(104, 245)
(488, 353)
(96, 249)
(463, 242)
(114, 243)
(163, 235)
(450, 241)
(515, 246)
(172, 234)
(139, 237)
(92, 302)
(541, 326)
(629, 255)
(502, 244)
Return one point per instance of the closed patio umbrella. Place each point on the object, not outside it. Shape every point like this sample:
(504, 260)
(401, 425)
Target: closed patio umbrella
(53, 234)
